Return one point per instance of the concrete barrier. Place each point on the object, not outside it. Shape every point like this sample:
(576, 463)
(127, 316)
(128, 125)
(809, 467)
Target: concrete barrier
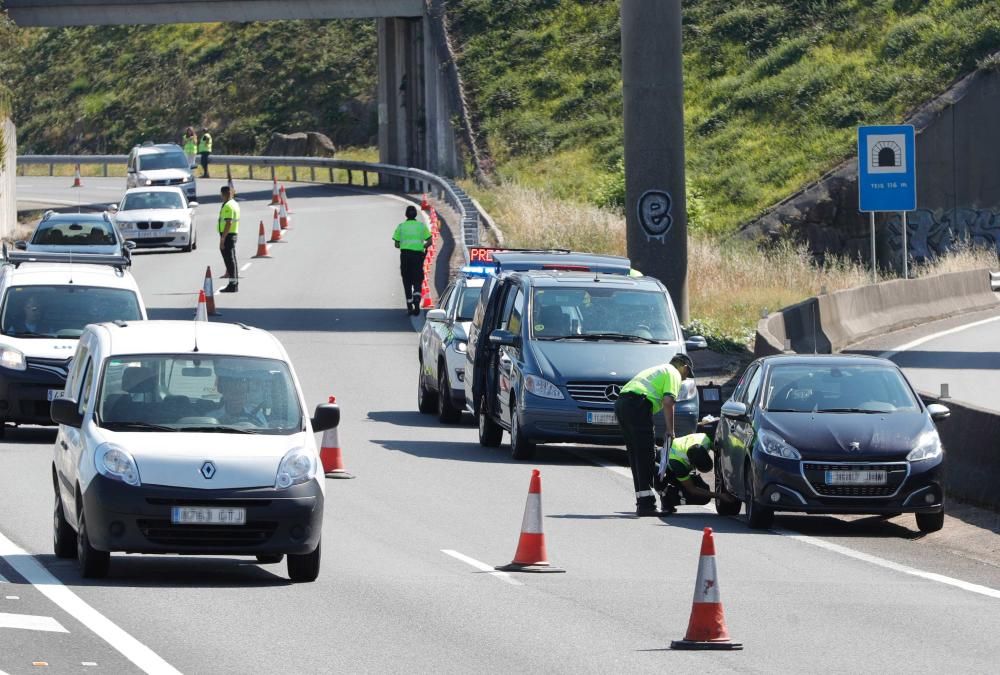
(828, 323)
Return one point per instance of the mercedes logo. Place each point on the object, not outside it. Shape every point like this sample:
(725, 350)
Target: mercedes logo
(208, 470)
(612, 392)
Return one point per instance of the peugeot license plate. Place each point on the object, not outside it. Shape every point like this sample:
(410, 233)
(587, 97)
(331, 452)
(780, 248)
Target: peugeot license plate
(208, 515)
(608, 418)
(56, 393)
(855, 477)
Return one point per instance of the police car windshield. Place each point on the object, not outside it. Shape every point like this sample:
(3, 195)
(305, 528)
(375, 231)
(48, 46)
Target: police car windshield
(203, 393)
(469, 300)
(138, 201)
(63, 311)
(163, 160)
(614, 313)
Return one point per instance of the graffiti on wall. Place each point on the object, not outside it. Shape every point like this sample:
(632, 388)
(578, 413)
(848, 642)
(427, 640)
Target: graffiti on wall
(932, 233)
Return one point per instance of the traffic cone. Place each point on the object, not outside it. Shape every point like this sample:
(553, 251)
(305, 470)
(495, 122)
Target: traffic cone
(707, 627)
(201, 311)
(275, 228)
(275, 198)
(209, 292)
(76, 178)
(423, 203)
(531, 555)
(262, 251)
(283, 218)
(426, 302)
(284, 199)
(329, 453)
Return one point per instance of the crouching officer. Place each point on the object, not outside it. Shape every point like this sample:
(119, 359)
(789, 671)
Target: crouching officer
(651, 391)
(678, 473)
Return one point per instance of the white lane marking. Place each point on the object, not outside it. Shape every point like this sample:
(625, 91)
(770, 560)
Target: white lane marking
(13, 597)
(503, 576)
(927, 338)
(39, 577)
(835, 548)
(88, 663)
(244, 268)
(31, 622)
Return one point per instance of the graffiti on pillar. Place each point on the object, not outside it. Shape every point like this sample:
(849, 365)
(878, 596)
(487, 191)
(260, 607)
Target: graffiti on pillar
(654, 214)
(933, 233)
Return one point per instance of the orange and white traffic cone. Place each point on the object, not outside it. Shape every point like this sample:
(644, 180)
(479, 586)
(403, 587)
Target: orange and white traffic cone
(424, 205)
(201, 311)
(283, 218)
(76, 178)
(275, 228)
(209, 292)
(284, 199)
(262, 251)
(275, 198)
(329, 453)
(707, 626)
(531, 555)
(426, 302)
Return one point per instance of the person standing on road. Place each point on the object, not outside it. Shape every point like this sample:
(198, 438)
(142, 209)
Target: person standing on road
(649, 392)
(190, 145)
(229, 226)
(205, 149)
(412, 238)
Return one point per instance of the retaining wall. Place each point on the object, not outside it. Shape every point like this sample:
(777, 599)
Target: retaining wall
(8, 169)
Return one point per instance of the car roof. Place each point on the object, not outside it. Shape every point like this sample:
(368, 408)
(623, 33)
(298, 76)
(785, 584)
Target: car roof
(556, 278)
(159, 148)
(825, 360)
(88, 216)
(473, 282)
(65, 274)
(555, 259)
(154, 188)
(180, 337)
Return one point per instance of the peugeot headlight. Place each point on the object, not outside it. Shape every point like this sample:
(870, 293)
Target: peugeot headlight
(115, 462)
(928, 447)
(12, 358)
(774, 445)
(541, 387)
(297, 466)
(461, 346)
(689, 390)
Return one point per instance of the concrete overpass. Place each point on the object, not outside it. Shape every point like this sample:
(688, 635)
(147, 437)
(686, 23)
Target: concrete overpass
(414, 121)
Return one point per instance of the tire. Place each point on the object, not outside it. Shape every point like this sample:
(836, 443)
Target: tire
(759, 517)
(723, 507)
(63, 536)
(304, 568)
(447, 412)
(93, 563)
(520, 447)
(490, 433)
(426, 399)
(192, 243)
(930, 522)
(270, 558)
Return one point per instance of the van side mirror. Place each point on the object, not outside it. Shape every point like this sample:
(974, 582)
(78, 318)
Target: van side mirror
(734, 410)
(66, 411)
(695, 342)
(327, 416)
(505, 338)
(21, 245)
(938, 411)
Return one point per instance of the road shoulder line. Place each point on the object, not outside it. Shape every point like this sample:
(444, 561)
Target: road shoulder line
(503, 576)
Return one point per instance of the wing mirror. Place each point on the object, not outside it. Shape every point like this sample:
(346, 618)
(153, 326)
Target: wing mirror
(192, 204)
(938, 411)
(128, 245)
(21, 245)
(734, 409)
(695, 342)
(505, 338)
(327, 416)
(66, 411)
(436, 315)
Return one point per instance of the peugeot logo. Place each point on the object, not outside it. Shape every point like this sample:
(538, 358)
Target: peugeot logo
(612, 392)
(854, 446)
(208, 470)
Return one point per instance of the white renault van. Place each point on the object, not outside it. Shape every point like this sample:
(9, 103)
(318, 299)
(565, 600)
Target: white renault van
(186, 437)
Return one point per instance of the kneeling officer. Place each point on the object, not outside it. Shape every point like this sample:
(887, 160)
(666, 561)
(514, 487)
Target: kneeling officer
(678, 473)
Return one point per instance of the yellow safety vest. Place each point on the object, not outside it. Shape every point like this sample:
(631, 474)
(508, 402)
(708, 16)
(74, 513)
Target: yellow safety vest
(230, 210)
(205, 144)
(679, 454)
(411, 235)
(655, 383)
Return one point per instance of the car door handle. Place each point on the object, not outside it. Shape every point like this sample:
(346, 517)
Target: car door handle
(63, 444)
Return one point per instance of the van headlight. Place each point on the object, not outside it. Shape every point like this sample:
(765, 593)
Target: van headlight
(297, 466)
(928, 447)
(688, 391)
(114, 462)
(12, 358)
(541, 387)
(772, 444)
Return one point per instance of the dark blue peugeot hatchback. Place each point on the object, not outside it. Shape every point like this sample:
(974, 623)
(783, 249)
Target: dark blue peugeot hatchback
(829, 434)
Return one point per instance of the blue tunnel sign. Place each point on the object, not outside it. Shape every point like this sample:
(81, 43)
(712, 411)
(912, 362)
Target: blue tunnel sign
(887, 176)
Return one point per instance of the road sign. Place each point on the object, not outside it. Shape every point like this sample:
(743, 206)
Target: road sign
(887, 176)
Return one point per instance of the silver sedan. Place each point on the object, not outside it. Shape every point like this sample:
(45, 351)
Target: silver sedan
(158, 217)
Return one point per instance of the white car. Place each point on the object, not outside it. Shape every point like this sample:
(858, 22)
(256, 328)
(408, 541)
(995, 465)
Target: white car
(45, 302)
(161, 164)
(157, 217)
(187, 437)
(83, 233)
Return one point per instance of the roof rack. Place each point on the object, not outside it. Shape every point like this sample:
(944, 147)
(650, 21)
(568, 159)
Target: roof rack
(17, 258)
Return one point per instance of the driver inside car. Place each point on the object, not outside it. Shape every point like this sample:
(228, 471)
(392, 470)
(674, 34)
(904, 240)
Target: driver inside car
(235, 405)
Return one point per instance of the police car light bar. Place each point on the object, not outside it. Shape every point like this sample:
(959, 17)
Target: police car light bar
(18, 257)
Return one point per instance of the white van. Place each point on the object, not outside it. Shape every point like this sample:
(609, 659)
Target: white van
(187, 437)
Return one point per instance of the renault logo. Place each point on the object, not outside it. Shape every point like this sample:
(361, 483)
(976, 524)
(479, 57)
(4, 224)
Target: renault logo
(612, 392)
(208, 470)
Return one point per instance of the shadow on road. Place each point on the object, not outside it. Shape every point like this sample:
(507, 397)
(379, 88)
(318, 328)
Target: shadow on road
(30, 435)
(308, 319)
(473, 452)
(830, 526)
(945, 360)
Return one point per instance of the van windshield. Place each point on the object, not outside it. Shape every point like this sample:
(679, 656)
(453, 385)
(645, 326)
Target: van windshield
(576, 313)
(165, 392)
(63, 311)
(163, 160)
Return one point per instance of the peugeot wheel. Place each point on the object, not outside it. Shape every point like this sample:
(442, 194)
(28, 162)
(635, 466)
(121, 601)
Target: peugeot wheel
(447, 412)
(304, 568)
(520, 446)
(759, 517)
(93, 564)
(63, 536)
(930, 522)
(724, 507)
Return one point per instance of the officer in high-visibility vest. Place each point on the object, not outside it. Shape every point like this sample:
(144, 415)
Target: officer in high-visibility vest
(678, 472)
(205, 149)
(229, 227)
(190, 145)
(412, 237)
(651, 391)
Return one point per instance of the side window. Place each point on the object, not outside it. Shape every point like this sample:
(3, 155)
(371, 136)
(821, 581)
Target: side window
(508, 305)
(445, 301)
(84, 393)
(73, 380)
(753, 388)
(741, 388)
(517, 311)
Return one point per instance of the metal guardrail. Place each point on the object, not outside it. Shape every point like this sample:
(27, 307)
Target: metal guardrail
(413, 180)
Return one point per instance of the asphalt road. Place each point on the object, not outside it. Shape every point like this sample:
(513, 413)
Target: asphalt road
(814, 595)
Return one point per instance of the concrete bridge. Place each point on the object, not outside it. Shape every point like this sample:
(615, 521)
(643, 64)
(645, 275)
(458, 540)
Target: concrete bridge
(414, 121)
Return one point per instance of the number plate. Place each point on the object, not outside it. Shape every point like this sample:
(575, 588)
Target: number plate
(208, 515)
(602, 418)
(855, 477)
(147, 234)
(56, 393)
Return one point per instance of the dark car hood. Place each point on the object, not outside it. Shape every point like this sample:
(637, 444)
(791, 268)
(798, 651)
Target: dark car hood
(605, 361)
(828, 436)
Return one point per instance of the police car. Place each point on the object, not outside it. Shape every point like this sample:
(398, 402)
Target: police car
(186, 437)
(45, 302)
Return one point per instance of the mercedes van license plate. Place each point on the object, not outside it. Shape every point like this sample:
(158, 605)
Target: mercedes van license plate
(607, 418)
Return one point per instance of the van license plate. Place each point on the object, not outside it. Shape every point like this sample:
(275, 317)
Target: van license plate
(855, 477)
(56, 393)
(208, 515)
(602, 418)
